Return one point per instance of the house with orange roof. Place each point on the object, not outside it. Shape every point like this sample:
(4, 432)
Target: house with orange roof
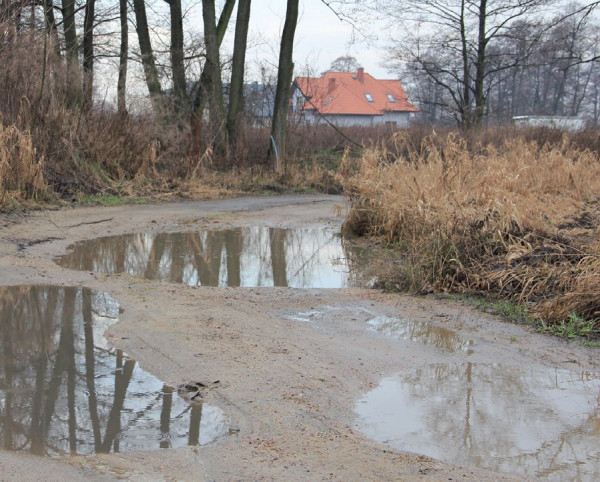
(351, 99)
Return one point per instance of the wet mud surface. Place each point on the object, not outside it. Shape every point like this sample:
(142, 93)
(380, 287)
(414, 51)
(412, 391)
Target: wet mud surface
(315, 383)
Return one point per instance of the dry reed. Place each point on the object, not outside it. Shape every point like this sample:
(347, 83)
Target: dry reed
(513, 221)
(21, 170)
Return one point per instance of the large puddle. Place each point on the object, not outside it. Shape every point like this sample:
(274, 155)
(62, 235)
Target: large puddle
(537, 422)
(62, 390)
(253, 256)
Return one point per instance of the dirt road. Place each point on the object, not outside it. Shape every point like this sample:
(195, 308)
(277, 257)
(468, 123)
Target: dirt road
(288, 388)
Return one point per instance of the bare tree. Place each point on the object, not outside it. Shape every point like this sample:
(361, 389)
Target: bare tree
(553, 76)
(147, 55)
(236, 89)
(72, 52)
(213, 82)
(284, 85)
(177, 67)
(202, 89)
(123, 54)
(345, 63)
(50, 24)
(449, 42)
(88, 53)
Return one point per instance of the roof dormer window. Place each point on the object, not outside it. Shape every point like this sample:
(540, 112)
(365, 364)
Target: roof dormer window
(391, 98)
(327, 101)
(369, 97)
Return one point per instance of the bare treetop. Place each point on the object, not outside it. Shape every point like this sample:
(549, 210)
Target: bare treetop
(344, 63)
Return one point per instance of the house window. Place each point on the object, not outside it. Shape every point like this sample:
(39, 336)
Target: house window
(327, 101)
(369, 97)
(391, 98)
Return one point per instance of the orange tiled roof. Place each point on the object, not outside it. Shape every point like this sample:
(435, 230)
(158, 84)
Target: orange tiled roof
(345, 93)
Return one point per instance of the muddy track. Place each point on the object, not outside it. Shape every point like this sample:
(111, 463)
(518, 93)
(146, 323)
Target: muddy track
(288, 388)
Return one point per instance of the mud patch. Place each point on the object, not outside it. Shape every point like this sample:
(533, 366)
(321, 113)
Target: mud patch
(254, 256)
(536, 422)
(64, 390)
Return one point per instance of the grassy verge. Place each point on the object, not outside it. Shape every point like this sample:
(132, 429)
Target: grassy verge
(111, 200)
(513, 311)
(513, 222)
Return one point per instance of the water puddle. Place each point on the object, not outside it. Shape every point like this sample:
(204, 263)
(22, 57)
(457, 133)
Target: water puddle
(62, 390)
(407, 329)
(305, 316)
(541, 423)
(422, 332)
(254, 256)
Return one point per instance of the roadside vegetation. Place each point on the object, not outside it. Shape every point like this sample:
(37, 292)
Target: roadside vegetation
(51, 151)
(511, 216)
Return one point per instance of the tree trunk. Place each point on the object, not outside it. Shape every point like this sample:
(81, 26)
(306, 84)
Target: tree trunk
(284, 83)
(480, 67)
(236, 88)
(199, 101)
(88, 54)
(123, 53)
(50, 23)
(148, 62)
(177, 67)
(73, 87)
(213, 85)
(465, 107)
(559, 94)
(68, 12)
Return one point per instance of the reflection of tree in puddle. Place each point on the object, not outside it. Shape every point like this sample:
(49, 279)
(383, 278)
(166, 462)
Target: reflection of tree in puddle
(510, 419)
(369, 264)
(257, 256)
(62, 390)
(420, 331)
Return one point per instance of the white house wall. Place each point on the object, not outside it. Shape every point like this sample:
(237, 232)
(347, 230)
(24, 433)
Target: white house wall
(402, 119)
(347, 120)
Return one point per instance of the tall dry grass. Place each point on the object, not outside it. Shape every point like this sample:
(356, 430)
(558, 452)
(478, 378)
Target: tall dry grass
(86, 152)
(21, 169)
(514, 220)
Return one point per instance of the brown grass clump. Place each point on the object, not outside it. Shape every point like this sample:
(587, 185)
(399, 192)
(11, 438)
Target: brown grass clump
(21, 170)
(514, 221)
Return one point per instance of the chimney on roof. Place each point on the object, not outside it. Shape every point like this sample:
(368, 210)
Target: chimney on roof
(360, 75)
(331, 85)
